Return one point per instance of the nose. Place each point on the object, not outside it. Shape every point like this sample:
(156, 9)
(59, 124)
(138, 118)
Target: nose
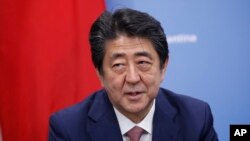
(132, 75)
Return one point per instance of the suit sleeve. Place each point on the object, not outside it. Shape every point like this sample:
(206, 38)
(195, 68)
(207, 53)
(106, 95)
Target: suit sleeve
(56, 130)
(208, 133)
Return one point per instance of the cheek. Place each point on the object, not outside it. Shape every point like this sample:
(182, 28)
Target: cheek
(152, 81)
(152, 77)
(113, 86)
(114, 82)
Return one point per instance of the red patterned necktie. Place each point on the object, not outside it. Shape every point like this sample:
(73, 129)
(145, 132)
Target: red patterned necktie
(135, 133)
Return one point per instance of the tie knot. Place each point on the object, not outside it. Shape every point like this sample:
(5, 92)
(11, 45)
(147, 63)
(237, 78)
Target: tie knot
(135, 133)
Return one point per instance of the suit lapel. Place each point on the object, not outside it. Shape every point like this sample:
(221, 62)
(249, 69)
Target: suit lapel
(164, 126)
(103, 124)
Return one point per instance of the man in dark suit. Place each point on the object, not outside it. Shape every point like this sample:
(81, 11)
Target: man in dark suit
(130, 53)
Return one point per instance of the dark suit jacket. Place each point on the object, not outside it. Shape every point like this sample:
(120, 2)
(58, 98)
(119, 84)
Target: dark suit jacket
(176, 118)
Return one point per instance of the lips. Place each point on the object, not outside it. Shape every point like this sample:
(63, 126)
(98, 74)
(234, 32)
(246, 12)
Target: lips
(133, 92)
(133, 96)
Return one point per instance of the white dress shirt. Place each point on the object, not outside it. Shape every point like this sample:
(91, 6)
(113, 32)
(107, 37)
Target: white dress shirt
(146, 124)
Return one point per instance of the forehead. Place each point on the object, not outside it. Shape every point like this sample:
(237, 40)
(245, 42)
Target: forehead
(127, 45)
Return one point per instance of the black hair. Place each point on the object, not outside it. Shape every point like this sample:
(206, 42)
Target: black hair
(128, 22)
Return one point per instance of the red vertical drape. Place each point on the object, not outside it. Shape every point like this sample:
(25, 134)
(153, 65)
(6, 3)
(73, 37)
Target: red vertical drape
(45, 62)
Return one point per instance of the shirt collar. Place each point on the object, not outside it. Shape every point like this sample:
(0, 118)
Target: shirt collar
(126, 124)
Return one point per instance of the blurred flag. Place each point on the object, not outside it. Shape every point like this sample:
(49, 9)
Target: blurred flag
(44, 62)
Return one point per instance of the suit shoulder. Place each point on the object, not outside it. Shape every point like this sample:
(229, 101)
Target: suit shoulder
(70, 123)
(181, 99)
(194, 115)
(195, 111)
(77, 111)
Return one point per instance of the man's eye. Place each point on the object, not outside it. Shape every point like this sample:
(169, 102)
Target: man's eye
(144, 65)
(143, 62)
(118, 67)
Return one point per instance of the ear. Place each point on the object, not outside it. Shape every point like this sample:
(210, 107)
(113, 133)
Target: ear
(164, 69)
(99, 76)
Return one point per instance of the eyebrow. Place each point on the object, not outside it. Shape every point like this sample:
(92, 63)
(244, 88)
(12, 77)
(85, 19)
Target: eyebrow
(137, 54)
(117, 55)
(144, 53)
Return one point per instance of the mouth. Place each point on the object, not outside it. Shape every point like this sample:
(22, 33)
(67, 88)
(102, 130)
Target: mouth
(134, 96)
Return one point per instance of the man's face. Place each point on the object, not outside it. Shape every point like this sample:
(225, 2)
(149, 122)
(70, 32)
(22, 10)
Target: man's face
(132, 74)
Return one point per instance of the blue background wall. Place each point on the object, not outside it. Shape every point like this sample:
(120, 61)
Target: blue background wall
(209, 53)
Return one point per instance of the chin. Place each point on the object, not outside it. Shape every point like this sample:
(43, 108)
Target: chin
(136, 109)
